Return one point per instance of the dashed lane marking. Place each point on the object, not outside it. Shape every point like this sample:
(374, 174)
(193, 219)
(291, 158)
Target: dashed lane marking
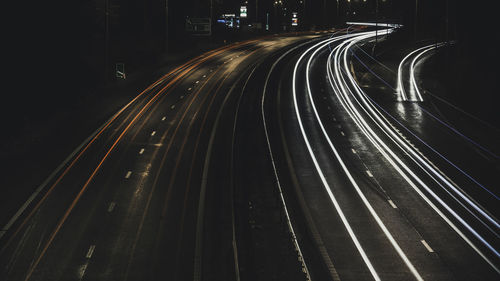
(90, 251)
(392, 204)
(427, 246)
(111, 207)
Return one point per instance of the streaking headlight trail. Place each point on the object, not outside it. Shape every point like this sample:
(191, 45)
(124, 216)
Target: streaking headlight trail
(358, 105)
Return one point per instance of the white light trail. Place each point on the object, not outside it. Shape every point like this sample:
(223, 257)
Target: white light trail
(421, 51)
(320, 172)
(346, 97)
(423, 162)
(344, 167)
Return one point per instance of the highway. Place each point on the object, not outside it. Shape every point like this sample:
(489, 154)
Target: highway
(277, 158)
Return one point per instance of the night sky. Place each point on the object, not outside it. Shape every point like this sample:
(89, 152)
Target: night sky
(55, 49)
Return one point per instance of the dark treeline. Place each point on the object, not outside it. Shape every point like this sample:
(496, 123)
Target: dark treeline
(54, 50)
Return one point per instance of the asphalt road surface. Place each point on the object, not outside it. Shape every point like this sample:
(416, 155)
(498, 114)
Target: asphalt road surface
(278, 158)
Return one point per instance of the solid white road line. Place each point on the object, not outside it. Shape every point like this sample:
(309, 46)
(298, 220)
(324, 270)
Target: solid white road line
(289, 223)
(367, 204)
(321, 174)
(382, 147)
(377, 117)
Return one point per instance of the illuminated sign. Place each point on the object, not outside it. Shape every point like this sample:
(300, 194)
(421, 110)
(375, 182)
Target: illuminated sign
(243, 12)
(295, 20)
(199, 26)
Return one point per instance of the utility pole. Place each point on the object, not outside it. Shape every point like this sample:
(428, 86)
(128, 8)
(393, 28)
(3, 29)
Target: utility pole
(211, 14)
(256, 10)
(106, 41)
(376, 27)
(338, 12)
(376, 22)
(166, 26)
(447, 22)
(324, 13)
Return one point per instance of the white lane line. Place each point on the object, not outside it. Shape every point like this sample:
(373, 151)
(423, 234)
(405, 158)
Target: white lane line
(90, 251)
(141, 151)
(204, 76)
(290, 226)
(384, 125)
(111, 207)
(355, 185)
(381, 146)
(427, 246)
(182, 96)
(319, 170)
(369, 173)
(342, 133)
(346, 171)
(197, 82)
(173, 106)
(392, 204)
(353, 150)
(153, 133)
(189, 89)
(128, 174)
(334, 119)
(164, 118)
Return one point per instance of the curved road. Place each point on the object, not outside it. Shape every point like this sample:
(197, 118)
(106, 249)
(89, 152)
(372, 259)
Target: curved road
(268, 159)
